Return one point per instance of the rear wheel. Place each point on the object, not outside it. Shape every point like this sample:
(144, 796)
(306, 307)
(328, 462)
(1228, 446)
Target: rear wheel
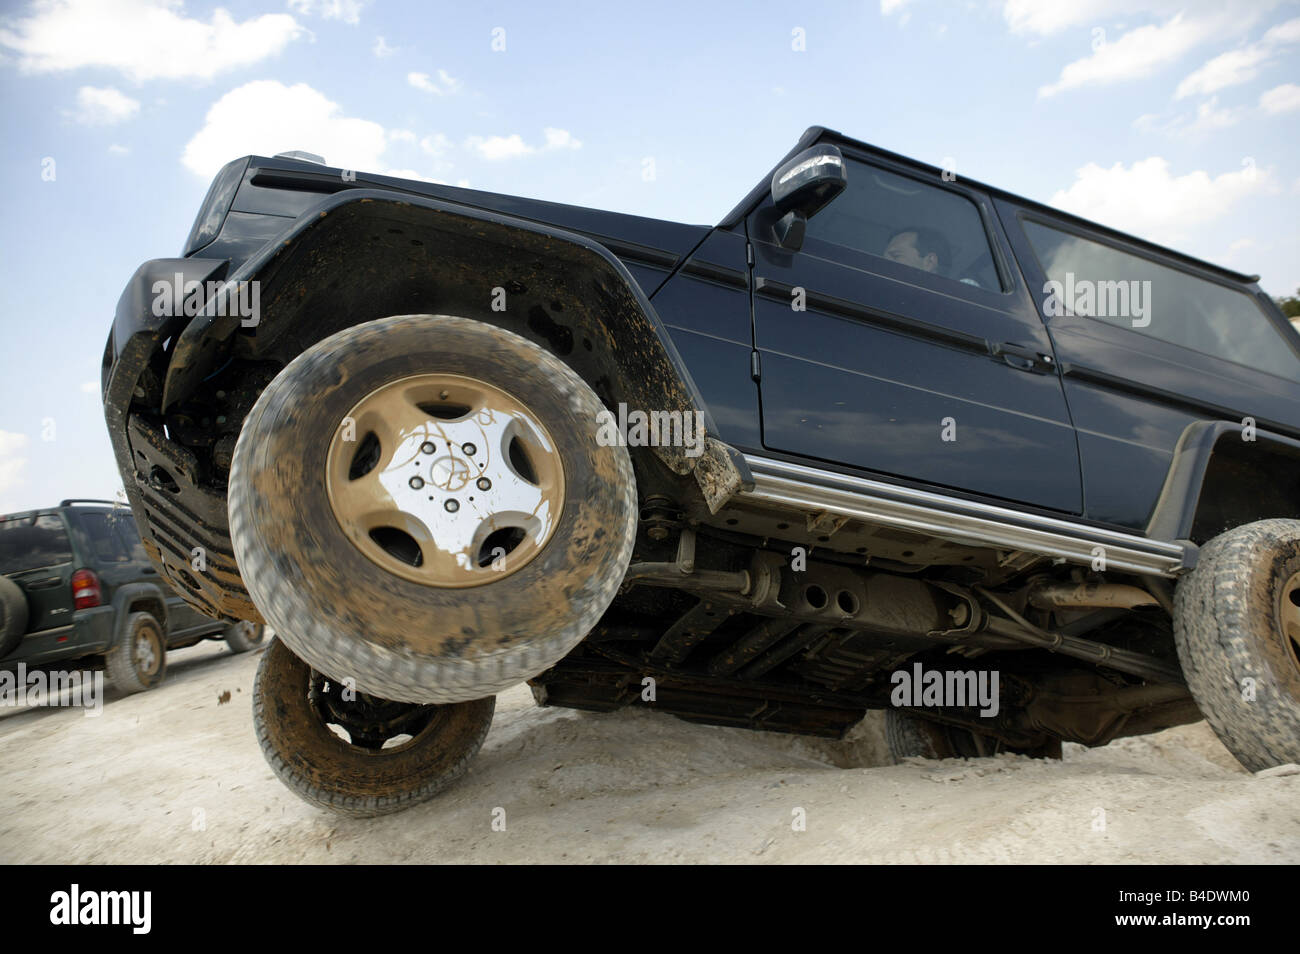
(1237, 629)
(420, 504)
(138, 659)
(244, 636)
(356, 754)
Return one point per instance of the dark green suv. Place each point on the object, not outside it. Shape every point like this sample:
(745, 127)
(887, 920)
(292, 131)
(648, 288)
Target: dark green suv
(75, 582)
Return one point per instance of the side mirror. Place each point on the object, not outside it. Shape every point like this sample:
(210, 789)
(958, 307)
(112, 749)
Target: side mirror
(802, 186)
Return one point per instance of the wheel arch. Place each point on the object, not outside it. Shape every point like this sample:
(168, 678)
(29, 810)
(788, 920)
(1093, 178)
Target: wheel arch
(1218, 480)
(366, 254)
(139, 598)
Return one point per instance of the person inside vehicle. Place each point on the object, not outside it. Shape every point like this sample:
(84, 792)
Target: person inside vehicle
(923, 248)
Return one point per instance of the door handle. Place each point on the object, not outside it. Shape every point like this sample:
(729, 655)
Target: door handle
(1024, 359)
(44, 584)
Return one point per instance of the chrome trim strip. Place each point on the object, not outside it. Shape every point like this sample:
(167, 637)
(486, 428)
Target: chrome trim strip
(793, 486)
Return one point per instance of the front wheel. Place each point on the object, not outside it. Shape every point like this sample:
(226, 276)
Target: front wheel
(421, 504)
(1237, 628)
(355, 754)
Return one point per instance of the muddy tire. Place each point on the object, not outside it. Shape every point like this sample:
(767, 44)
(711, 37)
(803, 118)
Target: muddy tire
(1237, 629)
(244, 636)
(13, 615)
(294, 709)
(138, 659)
(420, 504)
(910, 737)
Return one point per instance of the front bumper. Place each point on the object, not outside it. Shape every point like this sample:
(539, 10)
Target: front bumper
(183, 525)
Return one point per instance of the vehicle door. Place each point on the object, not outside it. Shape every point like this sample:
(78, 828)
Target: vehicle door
(899, 340)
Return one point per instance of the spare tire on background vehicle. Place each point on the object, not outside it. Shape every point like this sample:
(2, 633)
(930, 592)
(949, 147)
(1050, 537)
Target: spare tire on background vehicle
(13, 615)
(420, 504)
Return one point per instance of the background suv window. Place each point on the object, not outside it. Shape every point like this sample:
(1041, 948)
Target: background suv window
(1182, 308)
(911, 223)
(27, 544)
(103, 537)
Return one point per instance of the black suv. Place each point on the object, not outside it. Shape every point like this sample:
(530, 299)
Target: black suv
(881, 438)
(75, 583)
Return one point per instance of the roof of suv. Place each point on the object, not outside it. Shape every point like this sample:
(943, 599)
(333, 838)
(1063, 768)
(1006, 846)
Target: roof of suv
(813, 133)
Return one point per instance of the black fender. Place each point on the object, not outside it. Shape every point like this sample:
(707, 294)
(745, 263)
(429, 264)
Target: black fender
(131, 593)
(366, 253)
(1223, 475)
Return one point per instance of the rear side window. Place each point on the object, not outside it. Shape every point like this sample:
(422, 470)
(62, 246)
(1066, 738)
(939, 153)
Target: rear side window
(103, 536)
(27, 544)
(910, 223)
(1097, 281)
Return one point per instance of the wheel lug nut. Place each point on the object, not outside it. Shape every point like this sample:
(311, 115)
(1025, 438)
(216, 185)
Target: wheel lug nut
(469, 449)
(483, 483)
(417, 483)
(427, 447)
(452, 506)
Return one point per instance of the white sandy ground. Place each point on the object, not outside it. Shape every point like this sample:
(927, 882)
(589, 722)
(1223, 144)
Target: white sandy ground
(631, 786)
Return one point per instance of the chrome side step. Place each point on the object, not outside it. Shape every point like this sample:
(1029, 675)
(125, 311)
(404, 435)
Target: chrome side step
(795, 487)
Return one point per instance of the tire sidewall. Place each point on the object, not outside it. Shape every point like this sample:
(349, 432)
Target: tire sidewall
(279, 479)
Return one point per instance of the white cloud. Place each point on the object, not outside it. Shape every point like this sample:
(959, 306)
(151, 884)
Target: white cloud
(116, 149)
(90, 387)
(382, 49)
(1148, 200)
(1049, 17)
(412, 174)
(12, 464)
(1135, 54)
(401, 135)
(142, 39)
(349, 11)
(1240, 65)
(436, 145)
(495, 148)
(892, 6)
(1280, 99)
(560, 139)
(1226, 69)
(444, 85)
(266, 117)
(104, 106)
(1045, 17)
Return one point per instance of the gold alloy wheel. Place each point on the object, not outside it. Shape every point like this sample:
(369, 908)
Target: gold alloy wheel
(1288, 617)
(444, 480)
(148, 650)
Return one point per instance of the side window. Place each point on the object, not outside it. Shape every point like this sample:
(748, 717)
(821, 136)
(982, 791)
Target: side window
(27, 543)
(911, 223)
(124, 525)
(101, 534)
(1099, 282)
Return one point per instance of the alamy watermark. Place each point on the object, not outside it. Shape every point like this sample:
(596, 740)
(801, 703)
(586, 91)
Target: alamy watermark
(1093, 299)
(54, 687)
(939, 688)
(213, 299)
(636, 428)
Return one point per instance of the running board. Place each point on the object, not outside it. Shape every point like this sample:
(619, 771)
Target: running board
(806, 489)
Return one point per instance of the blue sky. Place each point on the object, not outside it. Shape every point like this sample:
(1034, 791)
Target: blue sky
(1177, 121)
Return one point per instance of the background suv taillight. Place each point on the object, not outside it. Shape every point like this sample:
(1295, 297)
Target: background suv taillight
(85, 589)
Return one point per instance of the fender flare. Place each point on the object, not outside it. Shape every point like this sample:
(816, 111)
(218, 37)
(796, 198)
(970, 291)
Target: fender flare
(1201, 444)
(536, 260)
(128, 594)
